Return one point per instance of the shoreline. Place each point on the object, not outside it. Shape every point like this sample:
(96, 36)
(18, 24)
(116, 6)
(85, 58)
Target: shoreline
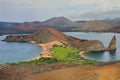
(81, 54)
(45, 53)
(46, 49)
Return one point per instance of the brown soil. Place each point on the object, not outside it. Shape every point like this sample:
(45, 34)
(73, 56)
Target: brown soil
(110, 71)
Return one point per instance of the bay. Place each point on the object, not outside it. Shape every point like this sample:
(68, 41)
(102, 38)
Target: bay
(11, 52)
(105, 38)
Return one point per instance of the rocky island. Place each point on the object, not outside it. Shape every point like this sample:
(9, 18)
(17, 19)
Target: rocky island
(48, 35)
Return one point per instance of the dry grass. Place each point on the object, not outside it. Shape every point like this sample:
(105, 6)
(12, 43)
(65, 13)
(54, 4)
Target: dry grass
(107, 72)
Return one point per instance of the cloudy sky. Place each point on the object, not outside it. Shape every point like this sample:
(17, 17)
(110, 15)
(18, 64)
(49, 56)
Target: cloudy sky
(40, 10)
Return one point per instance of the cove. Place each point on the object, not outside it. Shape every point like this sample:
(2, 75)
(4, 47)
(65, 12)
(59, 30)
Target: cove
(105, 38)
(11, 52)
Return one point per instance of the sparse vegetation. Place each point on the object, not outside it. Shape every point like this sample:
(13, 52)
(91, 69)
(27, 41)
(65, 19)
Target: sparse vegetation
(61, 55)
(64, 53)
(68, 54)
(41, 61)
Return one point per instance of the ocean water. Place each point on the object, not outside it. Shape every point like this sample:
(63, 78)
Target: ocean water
(11, 52)
(105, 38)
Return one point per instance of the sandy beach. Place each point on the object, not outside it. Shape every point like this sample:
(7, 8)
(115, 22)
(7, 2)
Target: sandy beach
(81, 54)
(46, 49)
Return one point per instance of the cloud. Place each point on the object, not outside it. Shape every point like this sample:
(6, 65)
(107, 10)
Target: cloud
(23, 10)
(93, 9)
(35, 3)
(96, 15)
(102, 3)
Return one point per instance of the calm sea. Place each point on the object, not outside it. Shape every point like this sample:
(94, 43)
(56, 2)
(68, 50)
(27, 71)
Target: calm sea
(105, 38)
(17, 51)
(22, 51)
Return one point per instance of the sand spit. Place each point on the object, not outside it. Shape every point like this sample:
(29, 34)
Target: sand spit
(46, 49)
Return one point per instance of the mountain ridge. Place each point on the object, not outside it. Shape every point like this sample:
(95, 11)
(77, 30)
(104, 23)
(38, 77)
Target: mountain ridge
(94, 25)
(62, 24)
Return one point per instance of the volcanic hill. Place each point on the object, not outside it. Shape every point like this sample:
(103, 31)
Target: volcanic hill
(51, 34)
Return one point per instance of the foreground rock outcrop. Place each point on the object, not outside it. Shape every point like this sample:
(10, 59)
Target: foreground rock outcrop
(50, 34)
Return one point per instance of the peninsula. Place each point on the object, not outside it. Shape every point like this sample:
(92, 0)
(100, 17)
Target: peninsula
(47, 38)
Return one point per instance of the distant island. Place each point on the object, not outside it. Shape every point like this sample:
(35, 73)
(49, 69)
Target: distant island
(62, 24)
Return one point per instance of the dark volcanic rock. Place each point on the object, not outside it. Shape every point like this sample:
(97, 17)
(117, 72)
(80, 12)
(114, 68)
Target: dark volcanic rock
(12, 38)
(92, 45)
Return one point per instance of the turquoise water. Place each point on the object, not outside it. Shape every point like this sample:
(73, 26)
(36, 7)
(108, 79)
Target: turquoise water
(105, 38)
(17, 51)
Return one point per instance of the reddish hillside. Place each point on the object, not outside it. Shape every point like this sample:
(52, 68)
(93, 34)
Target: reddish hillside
(25, 27)
(94, 26)
(47, 35)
